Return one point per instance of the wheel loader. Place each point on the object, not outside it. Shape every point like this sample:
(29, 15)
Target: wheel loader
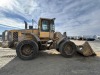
(29, 41)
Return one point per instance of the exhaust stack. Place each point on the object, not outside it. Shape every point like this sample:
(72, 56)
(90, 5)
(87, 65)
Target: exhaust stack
(25, 24)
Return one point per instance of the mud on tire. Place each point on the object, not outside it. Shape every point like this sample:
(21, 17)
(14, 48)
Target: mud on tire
(67, 49)
(27, 50)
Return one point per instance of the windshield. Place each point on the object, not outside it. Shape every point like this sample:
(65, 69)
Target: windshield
(48, 25)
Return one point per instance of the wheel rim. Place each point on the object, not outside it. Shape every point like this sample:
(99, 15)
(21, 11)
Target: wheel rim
(27, 50)
(68, 49)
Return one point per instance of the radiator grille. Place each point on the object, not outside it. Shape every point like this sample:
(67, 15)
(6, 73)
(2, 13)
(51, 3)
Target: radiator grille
(15, 36)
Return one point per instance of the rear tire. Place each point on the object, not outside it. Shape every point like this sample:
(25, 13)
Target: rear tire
(67, 49)
(27, 50)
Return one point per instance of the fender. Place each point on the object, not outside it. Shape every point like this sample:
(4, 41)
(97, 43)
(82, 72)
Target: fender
(59, 42)
(33, 35)
(35, 38)
(61, 38)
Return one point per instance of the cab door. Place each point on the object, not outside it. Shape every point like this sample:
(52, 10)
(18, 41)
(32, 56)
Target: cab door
(44, 29)
(52, 28)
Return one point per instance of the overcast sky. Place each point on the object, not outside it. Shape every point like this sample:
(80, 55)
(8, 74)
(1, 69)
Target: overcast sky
(76, 17)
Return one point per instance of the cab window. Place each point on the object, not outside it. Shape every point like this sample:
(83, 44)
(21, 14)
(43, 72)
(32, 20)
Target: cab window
(52, 27)
(45, 25)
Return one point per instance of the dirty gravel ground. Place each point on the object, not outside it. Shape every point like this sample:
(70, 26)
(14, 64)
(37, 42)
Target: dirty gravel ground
(50, 63)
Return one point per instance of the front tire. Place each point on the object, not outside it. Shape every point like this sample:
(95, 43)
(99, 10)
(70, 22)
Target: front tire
(27, 50)
(67, 49)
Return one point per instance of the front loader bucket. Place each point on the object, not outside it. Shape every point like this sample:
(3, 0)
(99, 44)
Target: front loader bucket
(84, 48)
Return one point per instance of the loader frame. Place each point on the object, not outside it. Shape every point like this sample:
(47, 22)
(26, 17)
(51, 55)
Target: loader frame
(28, 42)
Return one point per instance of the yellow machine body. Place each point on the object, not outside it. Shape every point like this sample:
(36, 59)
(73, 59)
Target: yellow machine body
(46, 38)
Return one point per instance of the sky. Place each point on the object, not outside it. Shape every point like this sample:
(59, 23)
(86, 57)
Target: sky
(76, 17)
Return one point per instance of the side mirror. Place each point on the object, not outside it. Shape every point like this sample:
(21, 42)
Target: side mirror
(54, 18)
(64, 34)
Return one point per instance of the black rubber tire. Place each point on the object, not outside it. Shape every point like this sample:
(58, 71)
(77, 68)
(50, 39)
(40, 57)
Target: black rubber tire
(57, 49)
(72, 48)
(34, 50)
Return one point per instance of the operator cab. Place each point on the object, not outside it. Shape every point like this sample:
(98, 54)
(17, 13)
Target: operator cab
(46, 28)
